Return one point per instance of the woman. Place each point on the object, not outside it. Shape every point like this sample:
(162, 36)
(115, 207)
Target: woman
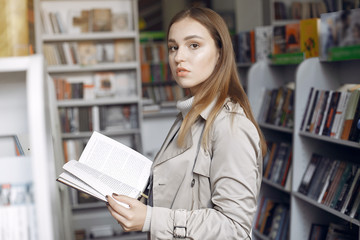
(206, 176)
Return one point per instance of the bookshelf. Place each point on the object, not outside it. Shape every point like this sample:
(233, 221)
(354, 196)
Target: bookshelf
(288, 11)
(327, 76)
(25, 107)
(92, 54)
(264, 76)
(310, 73)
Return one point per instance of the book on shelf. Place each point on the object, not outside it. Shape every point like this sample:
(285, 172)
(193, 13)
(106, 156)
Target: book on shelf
(341, 231)
(115, 117)
(318, 231)
(14, 145)
(279, 221)
(124, 50)
(87, 53)
(73, 148)
(245, 42)
(101, 19)
(309, 174)
(292, 34)
(75, 21)
(330, 114)
(339, 35)
(279, 40)
(106, 166)
(309, 37)
(263, 36)
(350, 113)
(272, 218)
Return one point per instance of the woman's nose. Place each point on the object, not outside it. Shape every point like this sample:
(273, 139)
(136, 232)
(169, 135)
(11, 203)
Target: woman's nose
(180, 55)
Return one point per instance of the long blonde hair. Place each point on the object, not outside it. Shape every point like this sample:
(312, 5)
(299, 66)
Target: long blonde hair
(222, 83)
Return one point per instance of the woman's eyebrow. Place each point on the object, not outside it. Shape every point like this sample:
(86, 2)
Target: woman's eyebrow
(186, 38)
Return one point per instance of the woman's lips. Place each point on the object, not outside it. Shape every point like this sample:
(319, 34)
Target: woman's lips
(181, 72)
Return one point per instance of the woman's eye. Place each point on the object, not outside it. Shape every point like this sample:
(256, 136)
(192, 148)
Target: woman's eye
(194, 45)
(173, 48)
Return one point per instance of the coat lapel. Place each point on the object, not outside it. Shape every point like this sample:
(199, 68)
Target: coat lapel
(172, 150)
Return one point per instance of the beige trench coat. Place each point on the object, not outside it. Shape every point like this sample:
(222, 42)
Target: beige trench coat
(216, 188)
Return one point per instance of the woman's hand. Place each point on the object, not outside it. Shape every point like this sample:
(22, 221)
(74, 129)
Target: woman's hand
(130, 219)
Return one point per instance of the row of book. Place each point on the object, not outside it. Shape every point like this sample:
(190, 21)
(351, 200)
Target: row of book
(76, 119)
(327, 37)
(118, 117)
(272, 219)
(277, 163)
(97, 85)
(17, 212)
(153, 52)
(333, 113)
(87, 53)
(278, 106)
(332, 231)
(333, 183)
(112, 117)
(84, 20)
(158, 93)
(299, 10)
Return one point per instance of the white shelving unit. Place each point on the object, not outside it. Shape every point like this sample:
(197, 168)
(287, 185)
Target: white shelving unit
(87, 215)
(327, 76)
(261, 76)
(310, 73)
(25, 112)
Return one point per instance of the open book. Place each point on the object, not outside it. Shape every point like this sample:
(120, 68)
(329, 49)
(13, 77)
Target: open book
(105, 167)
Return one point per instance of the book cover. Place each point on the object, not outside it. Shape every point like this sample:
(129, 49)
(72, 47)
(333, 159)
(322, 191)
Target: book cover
(124, 50)
(101, 19)
(354, 130)
(104, 84)
(318, 231)
(309, 174)
(263, 36)
(309, 37)
(323, 166)
(339, 116)
(307, 108)
(349, 114)
(244, 47)
(329, 179)
(324, 105)
(317, 111)
(292, 33)
(87, 53)
(120, 21)
(330, 115)
(313, 104)
(78, 21)
(121, 170)
(279, 40)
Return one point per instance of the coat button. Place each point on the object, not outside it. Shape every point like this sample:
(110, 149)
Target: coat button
(193, 183)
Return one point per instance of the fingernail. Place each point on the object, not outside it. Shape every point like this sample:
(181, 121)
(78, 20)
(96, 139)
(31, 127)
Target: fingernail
(106, 197)
(115, 194)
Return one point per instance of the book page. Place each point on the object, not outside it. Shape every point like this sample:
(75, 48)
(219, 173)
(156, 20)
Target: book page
(75, 182)
(117, 161)
(102, 183)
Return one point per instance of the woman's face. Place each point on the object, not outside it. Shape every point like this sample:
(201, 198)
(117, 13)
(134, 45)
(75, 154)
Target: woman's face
(192, 53)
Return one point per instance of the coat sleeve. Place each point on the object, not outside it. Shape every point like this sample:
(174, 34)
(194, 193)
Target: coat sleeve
(235, 176)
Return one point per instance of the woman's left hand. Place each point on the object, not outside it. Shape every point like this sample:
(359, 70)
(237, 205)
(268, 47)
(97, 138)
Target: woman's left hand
(130, 219)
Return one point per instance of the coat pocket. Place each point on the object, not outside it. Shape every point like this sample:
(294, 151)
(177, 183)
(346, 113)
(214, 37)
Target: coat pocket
(202, 164)
(201, 181)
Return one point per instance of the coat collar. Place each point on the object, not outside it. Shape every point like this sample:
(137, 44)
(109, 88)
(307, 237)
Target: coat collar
(172, 150)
